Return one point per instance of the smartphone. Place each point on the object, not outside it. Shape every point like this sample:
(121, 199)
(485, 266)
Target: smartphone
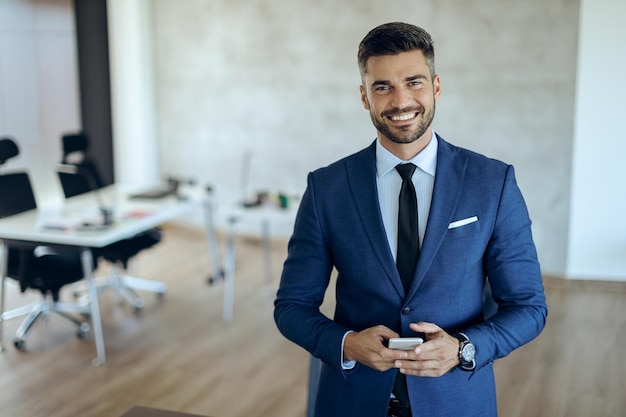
(405, 343)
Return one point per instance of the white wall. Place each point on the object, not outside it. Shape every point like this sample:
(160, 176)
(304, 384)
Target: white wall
(39, 98)
(132, 91)
(597, 238)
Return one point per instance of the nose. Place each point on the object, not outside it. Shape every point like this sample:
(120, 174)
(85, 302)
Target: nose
(401, 98)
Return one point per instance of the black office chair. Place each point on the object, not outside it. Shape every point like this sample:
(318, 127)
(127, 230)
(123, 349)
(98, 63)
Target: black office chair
(87, 178)
(34, 266)
(75, 148)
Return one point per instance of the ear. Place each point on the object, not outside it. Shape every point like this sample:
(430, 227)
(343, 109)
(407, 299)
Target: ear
(437, 87)
(366, 103)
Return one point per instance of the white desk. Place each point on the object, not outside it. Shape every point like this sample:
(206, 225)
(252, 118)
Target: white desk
(131, 217)
(249, 220)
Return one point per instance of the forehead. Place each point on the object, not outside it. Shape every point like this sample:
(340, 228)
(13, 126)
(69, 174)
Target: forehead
(396, 67)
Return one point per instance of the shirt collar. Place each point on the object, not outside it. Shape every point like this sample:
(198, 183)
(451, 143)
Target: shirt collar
(426, 160)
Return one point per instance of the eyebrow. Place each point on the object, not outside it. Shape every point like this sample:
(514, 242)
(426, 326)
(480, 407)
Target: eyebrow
(407, 79)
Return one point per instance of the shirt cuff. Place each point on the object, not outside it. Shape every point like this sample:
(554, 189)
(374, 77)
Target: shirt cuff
(346, 365)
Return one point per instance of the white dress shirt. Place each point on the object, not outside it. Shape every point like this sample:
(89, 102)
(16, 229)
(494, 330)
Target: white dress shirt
(389, 182)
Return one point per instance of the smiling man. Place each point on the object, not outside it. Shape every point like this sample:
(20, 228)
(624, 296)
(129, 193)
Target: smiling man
(415, 227)
(400, 92)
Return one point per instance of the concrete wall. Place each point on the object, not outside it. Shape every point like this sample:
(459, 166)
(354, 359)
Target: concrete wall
(277, 79)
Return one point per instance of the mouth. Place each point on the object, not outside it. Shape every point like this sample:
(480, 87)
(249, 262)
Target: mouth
(402, 117)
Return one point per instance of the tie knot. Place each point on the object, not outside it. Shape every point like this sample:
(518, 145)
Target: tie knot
(406, 170)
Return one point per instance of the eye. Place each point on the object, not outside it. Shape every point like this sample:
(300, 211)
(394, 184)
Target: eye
(415, 84)
(382, 88)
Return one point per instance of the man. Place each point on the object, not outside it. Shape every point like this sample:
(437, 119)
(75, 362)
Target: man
(472, 225)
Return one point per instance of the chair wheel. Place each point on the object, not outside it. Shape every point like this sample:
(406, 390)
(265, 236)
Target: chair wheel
(83, 331)
(20, 344)
(212, 280)
(138, 305)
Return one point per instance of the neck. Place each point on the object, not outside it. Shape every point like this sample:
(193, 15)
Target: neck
(406, 151)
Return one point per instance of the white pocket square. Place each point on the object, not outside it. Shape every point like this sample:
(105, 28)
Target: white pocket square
(463, 222)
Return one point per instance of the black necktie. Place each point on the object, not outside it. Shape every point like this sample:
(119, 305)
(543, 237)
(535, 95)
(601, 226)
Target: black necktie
(408, 250)
(408, 233)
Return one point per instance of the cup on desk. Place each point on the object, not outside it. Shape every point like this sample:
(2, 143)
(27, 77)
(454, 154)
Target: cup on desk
(107, 215)
(283, 200)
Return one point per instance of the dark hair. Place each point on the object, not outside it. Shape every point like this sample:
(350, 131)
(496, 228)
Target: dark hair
(394, 38)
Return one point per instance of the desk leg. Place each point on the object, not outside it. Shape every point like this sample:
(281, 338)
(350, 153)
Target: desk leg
(229, 278)
(266, 251)
(214, 254)
(4, 256)
(96, 322)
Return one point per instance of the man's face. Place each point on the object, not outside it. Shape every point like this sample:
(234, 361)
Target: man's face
(400, 95)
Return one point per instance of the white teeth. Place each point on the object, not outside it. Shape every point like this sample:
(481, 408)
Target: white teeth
(403, 117)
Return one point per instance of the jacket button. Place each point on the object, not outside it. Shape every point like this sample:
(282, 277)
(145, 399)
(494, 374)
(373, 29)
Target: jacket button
(406, 311)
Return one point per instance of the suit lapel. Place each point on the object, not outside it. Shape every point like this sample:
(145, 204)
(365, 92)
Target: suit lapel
(446, 192)
(361, 172)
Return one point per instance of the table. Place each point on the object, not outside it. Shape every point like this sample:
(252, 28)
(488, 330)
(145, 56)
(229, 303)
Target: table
(154, 412)
(64, 226)
(250, 219)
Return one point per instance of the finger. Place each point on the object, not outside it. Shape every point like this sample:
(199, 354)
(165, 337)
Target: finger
(431, 372)
(384, 332)
(421, 368)
(396, 354)
(413, 367)
(424, 327)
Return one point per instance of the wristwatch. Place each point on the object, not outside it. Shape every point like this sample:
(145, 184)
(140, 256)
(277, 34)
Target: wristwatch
(467, 351)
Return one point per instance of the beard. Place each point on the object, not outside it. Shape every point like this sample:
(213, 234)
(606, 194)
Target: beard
(404, 134)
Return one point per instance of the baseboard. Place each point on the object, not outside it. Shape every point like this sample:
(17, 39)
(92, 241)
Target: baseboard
(555, 282)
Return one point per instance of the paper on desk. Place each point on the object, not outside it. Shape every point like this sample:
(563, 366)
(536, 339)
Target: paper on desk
(72, 223)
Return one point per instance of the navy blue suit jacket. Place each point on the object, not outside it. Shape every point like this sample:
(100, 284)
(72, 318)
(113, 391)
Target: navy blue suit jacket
(339, 225)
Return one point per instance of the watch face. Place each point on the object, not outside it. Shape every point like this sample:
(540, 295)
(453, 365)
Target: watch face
(468, 352)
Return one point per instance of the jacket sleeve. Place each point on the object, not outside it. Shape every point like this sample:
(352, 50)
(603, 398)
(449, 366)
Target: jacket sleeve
(514, 274)
(305, 277)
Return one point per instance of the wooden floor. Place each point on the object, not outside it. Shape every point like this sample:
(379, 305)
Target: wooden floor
(179, 355)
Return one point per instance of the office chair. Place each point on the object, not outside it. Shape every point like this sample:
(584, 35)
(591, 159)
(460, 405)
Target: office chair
(87, 178)
(35, 266)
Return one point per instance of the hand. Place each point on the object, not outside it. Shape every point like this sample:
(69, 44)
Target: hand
(435, 357)
(367, 348)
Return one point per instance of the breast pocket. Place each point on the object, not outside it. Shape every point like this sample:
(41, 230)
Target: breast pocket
(462, 240)
(461, 250)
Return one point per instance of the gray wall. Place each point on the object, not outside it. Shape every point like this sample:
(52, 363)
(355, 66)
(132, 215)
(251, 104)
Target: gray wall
(278, 79)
